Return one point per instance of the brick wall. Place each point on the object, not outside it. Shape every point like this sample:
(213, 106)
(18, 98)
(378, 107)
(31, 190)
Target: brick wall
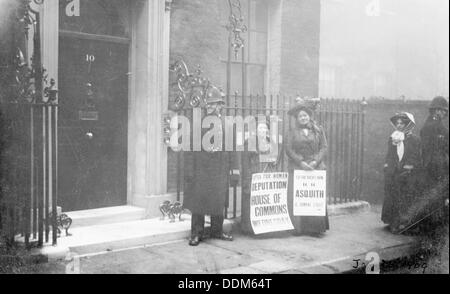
(198, 35)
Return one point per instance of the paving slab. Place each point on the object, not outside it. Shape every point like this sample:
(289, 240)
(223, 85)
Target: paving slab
(350, 237)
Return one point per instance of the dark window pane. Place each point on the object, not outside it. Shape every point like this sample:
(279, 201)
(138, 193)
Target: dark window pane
(258, 15)
(255, 79)
(258, 48)
(235, 79)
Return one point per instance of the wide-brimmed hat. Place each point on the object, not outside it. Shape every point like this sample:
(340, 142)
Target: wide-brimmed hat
(309, 106)
(407, 117)
(214, 95)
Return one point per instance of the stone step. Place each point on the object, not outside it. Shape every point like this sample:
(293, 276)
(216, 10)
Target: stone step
(114, 236)
(103, 216)
(87, 240)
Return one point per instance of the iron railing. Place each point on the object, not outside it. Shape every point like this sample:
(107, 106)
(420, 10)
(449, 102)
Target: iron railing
(30, 172)
(29, 124)
(343, 121)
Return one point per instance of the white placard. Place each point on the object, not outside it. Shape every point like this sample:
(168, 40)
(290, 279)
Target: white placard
(310, 190)
(268, 203)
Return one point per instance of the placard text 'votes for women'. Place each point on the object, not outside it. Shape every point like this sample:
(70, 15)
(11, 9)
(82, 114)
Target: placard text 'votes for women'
(268, 203)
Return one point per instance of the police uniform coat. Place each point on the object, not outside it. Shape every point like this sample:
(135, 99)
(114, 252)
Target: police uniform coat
(206, 181)
(435, 144)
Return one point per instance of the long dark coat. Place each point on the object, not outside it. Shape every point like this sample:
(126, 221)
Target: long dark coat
(435, 143)
(300, 147)
(435, 147)
(206, 181)
(402, 188)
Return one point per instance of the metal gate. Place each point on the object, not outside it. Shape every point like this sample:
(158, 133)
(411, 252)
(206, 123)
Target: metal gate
(29, 172)
(29, 149)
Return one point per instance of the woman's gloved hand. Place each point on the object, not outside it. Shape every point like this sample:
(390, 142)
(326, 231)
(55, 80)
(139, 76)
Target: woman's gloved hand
(407, 170)
(313, 164)
(306, 166)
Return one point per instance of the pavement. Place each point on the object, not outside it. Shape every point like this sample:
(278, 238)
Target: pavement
(351, 237)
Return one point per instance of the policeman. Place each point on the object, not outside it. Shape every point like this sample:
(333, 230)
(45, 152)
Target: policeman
(435, 140)
(206, 180)
(434, 137)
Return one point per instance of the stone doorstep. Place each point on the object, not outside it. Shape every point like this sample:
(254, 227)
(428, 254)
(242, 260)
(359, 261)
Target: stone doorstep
(110, 237)
(108, 215)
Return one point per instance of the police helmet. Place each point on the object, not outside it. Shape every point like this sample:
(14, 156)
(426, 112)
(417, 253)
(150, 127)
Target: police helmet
(214, 95)
(439, 102)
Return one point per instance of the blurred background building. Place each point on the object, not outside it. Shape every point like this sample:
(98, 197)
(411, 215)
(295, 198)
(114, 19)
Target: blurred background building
(384, 48)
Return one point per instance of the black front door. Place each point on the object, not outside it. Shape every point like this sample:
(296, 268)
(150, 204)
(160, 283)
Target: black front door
(93, 96)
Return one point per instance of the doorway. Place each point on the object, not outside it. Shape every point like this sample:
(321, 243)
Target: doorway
(93, 99)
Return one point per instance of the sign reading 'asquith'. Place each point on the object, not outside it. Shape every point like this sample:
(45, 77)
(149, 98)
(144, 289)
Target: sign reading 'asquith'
(310, 190)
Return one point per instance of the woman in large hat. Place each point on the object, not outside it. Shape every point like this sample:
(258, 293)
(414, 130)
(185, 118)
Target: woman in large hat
(402, 170)
(306, 148)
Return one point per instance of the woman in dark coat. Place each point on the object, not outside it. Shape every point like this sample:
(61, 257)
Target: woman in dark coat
(306, 148)
(402, 170)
